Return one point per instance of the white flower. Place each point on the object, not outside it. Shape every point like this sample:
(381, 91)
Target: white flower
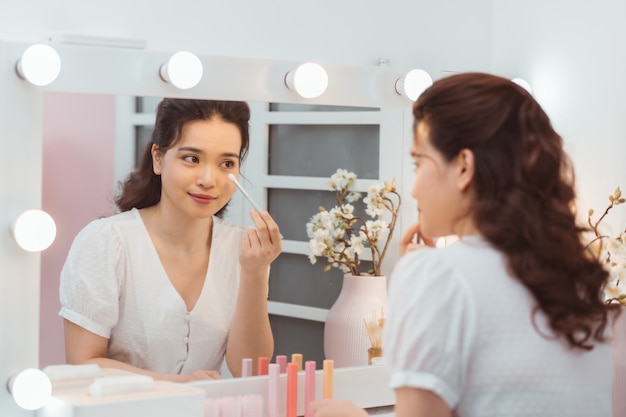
(375, 201)
(612, 253)
(353, 196)
(342, 179)
(376, 230)
(342, 237)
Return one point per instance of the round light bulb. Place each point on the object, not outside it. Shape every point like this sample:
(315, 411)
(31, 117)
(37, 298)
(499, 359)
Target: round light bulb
(523, 83)
(413, 84)
(309, 80)
(31, 389)
(34, 230)
(183, 70)
(40, 64)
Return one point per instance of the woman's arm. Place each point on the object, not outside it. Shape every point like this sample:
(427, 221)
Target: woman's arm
(410, 402)
(414, 402)
(83, 346)
(250, 333)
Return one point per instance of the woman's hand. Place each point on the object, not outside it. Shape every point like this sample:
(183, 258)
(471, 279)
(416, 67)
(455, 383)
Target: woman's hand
(250, 333)
(260, 246)
(202, 375)
(335, 408)
(413, 239)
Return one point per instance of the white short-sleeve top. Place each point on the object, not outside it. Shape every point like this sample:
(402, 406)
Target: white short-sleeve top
(461, 326)
(114, 285)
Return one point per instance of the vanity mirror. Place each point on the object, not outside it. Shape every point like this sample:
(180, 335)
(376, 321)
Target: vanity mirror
(134, 72)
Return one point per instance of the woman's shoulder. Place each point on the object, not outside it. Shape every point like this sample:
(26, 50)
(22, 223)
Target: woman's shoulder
(117, 224)
(451, 265)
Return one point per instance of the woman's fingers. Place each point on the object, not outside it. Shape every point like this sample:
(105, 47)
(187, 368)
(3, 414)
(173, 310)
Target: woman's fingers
(263, 244)
(413, 239)
(410, 239)
(266, 226)
(201, 375)
(335, 408)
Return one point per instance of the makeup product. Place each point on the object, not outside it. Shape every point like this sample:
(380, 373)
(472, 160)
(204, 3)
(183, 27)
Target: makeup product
(297, 358)
(230, 407)
(262, 363)
(246, 367)
(254, 204)
(212, 407)
(65, 372)
(250, 405)
(112, 385)
(273, 397)
(328, 367)
(309, 386)
(292, 389)
(245, 193)
(281, 360)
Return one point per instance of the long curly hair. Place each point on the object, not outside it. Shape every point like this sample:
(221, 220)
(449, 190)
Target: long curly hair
(523, 195)
(142, 188)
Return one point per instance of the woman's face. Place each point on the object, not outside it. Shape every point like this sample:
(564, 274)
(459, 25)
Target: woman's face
(441, 187)
(194, 172)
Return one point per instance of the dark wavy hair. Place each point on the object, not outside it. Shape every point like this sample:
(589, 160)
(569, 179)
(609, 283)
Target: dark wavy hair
(142, 188)
(523, 195)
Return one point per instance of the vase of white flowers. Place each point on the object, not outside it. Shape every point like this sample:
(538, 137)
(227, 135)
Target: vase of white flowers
(611, 251)
(355, 321)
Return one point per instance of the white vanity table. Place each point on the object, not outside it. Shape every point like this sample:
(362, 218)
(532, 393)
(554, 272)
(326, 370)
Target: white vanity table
(367, 386)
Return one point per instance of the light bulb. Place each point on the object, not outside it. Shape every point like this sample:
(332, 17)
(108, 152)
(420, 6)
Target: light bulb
(40, 64)
(183, 70)
(309, 80)
(413, 83)
(34, 230)
(523, 83)
(31, 389)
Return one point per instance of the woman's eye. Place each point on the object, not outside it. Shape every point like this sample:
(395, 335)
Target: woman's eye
(191, 158)
(229, 164)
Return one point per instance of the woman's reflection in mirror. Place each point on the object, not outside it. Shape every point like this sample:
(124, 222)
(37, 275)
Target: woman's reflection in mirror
(167, 287)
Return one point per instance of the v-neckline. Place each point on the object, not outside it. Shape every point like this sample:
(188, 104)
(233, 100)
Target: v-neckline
(169, 282)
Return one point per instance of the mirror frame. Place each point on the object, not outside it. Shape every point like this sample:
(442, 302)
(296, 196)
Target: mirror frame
(122, 71)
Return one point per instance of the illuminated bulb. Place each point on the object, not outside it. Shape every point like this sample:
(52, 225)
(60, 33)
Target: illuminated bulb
(413, 84)
(183, 70)
(309, 80)
(31, 388)
(40, 64)
(34, 230)
(523, 83)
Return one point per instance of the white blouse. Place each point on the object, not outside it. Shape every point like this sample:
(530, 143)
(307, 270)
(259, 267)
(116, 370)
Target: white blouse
(461, 326)
(114, 285)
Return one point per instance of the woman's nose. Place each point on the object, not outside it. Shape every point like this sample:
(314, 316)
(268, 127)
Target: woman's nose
(206, 176)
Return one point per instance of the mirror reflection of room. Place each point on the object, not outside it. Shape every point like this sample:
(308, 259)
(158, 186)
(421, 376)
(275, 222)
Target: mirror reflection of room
(295, 150)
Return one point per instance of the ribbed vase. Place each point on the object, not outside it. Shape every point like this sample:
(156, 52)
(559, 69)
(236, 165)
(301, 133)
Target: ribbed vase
(362, 298)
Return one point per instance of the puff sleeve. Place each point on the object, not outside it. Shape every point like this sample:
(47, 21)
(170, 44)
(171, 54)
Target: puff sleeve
(431, 325)
(92, 278)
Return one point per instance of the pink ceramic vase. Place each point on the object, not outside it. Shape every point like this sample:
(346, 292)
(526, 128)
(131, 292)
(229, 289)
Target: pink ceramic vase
(362, 298)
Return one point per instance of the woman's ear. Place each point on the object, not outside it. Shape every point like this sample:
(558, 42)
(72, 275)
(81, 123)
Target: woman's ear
(465, 161)
(156, 159)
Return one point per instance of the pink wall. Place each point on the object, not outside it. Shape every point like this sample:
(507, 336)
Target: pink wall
(78, 172)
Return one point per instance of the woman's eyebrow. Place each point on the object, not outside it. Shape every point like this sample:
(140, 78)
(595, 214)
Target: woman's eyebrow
(200, 151)
(189, 149)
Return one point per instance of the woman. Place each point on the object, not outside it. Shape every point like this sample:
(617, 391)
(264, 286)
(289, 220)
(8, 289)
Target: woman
(167, 288)
(509, 320)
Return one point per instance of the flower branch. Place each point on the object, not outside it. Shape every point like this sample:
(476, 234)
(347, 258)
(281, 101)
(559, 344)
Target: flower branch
(340, 236)
(611, 253)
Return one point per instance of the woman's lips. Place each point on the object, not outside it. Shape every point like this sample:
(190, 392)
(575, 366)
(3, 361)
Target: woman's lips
(202, 199)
